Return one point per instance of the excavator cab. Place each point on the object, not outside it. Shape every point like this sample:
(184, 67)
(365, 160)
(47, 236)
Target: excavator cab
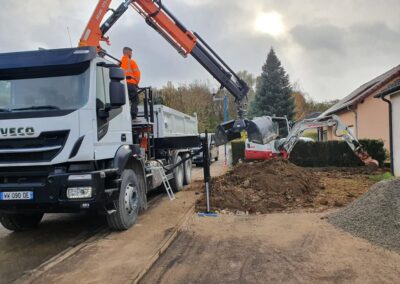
(260, 130)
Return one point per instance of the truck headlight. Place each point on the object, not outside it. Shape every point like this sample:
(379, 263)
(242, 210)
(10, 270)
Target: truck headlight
(79, 192)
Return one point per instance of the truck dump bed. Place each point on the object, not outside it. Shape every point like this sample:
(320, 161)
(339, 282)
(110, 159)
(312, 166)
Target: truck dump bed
(172, 123)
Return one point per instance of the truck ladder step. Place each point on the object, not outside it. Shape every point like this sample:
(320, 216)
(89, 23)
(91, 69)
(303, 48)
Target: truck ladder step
(166, 183)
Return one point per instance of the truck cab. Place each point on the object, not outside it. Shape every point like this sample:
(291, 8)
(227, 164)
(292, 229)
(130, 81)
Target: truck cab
(67, 140)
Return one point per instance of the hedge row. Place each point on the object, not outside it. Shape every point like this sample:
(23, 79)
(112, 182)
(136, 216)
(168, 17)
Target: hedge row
(323, 154)
(335, 153)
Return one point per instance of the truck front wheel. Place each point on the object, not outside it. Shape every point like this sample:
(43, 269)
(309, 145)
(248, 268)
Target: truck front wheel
(20, 222)
(128, 204)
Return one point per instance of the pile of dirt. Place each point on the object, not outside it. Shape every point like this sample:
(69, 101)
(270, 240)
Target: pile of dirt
(263, 187)
(375, 216)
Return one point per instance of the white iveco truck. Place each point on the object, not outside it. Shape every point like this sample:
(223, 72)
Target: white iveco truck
(67, 142)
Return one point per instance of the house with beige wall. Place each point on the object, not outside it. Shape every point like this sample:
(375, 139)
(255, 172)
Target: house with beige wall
(366, 116)
(391, 96)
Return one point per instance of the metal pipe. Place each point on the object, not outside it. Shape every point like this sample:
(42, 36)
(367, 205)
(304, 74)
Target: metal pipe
(390, 133)
(106, 26)
(206, 170)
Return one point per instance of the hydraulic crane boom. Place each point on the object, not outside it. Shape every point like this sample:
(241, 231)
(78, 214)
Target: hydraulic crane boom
(92, 35)
(186, 43)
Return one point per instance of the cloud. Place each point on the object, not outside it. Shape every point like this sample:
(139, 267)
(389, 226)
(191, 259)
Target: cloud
(331, 47)
(322, 38)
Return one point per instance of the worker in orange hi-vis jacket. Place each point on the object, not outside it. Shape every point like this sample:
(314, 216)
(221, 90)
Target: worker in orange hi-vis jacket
(132, 78)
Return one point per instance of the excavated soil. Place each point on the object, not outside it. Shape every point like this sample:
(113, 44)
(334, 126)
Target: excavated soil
(264, 187)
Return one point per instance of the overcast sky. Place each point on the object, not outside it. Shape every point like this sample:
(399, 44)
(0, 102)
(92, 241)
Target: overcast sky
(327, 47)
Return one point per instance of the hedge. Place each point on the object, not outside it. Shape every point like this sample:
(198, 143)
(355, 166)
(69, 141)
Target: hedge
(323, 154)
(335, 154)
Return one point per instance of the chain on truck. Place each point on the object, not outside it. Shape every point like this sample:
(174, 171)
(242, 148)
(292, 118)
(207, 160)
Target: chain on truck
(67, 141)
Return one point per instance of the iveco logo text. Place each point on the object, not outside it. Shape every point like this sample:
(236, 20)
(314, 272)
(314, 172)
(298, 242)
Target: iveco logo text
(17, 131)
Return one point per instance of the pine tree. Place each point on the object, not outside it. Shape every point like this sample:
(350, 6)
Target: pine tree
(273, 90)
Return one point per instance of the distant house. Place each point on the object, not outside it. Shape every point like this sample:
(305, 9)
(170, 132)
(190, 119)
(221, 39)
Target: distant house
(366, 116)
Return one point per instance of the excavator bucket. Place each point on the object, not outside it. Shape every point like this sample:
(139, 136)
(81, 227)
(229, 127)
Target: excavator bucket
(228, 131)
(367, 159)
(260, 130)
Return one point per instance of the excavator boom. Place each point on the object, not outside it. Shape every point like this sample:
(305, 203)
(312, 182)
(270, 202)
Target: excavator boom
(186, 43)
(340, 130)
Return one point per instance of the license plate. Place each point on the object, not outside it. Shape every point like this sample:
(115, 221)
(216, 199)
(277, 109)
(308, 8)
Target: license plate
(19, 195)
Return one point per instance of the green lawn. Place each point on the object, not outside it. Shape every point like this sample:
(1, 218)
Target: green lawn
(385, 176)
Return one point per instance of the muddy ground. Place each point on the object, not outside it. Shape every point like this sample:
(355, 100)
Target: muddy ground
(272, 248)
(341, 186)
(279, 186)
(297, 245)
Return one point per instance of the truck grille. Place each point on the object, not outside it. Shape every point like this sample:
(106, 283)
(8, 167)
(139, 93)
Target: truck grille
(33, 176)
(41, 149)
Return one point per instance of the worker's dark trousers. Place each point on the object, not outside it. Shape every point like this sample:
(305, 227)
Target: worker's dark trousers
(134, 98)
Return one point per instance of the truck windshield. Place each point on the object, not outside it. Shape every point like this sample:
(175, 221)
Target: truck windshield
(65, 92)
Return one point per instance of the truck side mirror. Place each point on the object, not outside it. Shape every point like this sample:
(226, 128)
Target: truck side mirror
(117, 74)
(117, 94)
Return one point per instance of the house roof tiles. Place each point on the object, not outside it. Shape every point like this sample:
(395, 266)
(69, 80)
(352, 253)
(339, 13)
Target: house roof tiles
(363, 91)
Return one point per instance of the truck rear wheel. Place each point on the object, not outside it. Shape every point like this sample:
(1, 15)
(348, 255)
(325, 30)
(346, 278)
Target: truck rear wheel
(187, 178)
(20, 222)
(128, 204)
(177, 181)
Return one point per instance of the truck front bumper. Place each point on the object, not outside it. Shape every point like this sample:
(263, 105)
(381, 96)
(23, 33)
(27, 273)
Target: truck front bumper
(50, 190)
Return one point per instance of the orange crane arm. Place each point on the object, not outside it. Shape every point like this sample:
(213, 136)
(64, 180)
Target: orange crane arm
(158, 17)
(94, 32)
(92, 35)
(184, 41)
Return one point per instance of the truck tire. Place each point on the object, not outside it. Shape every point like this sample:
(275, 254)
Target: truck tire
(20, 222)
(128, 204)
(177, 181)
(187, 174)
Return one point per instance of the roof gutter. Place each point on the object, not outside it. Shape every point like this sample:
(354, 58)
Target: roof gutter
(390, 133)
